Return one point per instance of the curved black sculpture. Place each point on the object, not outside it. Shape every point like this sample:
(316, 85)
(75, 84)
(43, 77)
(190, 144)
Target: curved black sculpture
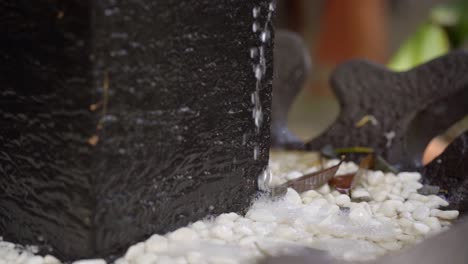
(292, 66)
(119, 119)
(410, 107)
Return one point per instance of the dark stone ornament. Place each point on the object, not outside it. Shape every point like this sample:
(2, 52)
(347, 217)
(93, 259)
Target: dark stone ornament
(405, 109)
(292, 65)
(119, 119)
(449, 171)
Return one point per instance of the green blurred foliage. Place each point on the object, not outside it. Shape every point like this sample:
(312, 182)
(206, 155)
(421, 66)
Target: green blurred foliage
(445, 29)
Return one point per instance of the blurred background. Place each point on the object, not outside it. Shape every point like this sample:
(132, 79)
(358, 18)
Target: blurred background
(398, 33)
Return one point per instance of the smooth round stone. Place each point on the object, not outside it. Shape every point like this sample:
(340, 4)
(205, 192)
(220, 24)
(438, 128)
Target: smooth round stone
(194, 257)
(409, 176)
(342, 200)
(199, 225)
(418, 197)
(293, 175)
(227, 218)
(243, 230)
(48, 259)
(35, 260)
(90, 261)
(284, 231)
(165, 260)
(360, 193)
(359, 215)
(392, 246)
(222, 232)
(324, 189)
(446, 215)
(421, 228)
(292, 196)
(134, 251)
(248, 241)
(375, 178)
(407, 207)
(433, 223)
(421, 213)
(311, 194)
(183, 234)
(389, 207)
(156, 243)
(380, 196)
(147, 258)
(436, 202)
(261, 215)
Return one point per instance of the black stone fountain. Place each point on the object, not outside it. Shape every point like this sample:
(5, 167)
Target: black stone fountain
(119, 119)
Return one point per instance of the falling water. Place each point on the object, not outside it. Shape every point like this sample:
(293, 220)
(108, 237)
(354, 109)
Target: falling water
(262, 30)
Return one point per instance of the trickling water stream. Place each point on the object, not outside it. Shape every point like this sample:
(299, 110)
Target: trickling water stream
(257, 54)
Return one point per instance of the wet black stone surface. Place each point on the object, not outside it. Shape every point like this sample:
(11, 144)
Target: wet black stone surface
(449, 171)
(119, 119)
(410, 108)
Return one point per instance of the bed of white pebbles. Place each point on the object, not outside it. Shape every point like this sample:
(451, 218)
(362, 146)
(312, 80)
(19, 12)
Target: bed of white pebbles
(383, 214)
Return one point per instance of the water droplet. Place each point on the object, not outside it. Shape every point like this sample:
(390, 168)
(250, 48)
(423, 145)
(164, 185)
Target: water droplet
(255, 26)
(253, 52)
(258, 72)
(265, 36)
(256, 150)
(256, 11)
(271, 6)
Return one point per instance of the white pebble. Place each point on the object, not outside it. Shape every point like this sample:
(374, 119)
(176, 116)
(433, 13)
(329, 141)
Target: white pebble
(285, 232)
(409, 176)
(148, 258)
(360, 193)
(375, 177)
(243, 230)
(165, 260)
(324, 189)
(311, 194)
(359, 214)
(433, 223)
(380, 196)
(183, 234)
(35, 260)
(194, 257)
(292, 196)
(418, 197)
(135, 251)
(389, 207)
(421, 228)
(199, 225)
(421, 213)
(261, 215)
(221, 260)
(229, 217)
(48, 259)
(342, 200)
(90, 261)
(222, 232)
(436, 202)
(391, 245)
(446, 215)
(407, 206)
(156, 243)
(180, 260)
(248, 241)
(330, 198)
(293, 175)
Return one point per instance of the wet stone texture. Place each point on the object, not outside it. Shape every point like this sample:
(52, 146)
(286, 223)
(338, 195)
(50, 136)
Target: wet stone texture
(119, 119)
(449, 171)
(409, 108)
